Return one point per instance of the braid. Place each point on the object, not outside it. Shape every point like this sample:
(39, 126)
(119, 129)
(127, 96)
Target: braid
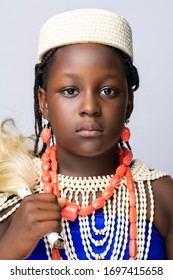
(132, 79)
(41, 74)
(130, 71)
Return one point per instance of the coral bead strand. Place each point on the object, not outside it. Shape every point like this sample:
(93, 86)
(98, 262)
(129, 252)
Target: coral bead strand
(50, 180)
(132, 215)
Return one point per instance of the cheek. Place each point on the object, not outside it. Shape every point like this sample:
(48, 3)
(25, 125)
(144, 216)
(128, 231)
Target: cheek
(60, 115)
(115, 114)
(114, 121)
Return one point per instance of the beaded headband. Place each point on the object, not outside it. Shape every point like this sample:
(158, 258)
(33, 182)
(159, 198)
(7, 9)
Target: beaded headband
(86, 26)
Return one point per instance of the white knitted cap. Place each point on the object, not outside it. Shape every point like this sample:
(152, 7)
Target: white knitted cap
(86, 26)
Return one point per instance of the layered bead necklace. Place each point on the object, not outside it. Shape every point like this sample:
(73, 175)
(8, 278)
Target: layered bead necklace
(72, 210)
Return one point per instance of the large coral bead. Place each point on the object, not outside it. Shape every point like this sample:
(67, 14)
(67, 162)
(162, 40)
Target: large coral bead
(125, 135)
(70, 211)
(46, 135)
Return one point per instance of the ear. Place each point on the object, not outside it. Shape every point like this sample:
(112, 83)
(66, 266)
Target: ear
(130, 105)
(43, 103)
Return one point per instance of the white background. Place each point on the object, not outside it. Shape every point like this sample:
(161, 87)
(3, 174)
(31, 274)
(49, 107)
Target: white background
(152, 25)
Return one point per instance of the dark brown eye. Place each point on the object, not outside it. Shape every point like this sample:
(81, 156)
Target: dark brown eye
(70, 92)
(109, 91)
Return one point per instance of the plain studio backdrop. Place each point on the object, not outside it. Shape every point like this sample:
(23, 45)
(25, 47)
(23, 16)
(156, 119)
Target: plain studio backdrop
(152, 24)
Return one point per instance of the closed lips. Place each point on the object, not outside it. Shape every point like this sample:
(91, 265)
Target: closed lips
(90, 127)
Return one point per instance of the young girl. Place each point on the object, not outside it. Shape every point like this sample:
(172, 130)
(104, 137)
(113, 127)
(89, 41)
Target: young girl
(85, 183)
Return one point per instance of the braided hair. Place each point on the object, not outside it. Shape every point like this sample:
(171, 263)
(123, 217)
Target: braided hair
(41, 79)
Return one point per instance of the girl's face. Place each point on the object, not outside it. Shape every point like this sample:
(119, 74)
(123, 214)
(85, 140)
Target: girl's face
(87, 99)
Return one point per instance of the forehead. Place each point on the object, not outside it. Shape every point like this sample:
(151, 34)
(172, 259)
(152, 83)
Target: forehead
(87, 55)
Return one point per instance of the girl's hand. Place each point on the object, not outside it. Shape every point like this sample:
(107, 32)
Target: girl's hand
(37, 215)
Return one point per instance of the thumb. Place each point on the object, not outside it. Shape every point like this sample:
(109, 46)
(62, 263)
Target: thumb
(62, 201)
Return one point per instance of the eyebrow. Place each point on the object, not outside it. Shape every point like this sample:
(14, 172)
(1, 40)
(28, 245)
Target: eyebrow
(71, 75)
(104, 77)
(110, 76)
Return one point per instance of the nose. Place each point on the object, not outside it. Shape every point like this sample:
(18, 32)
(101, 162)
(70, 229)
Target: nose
(89, 105)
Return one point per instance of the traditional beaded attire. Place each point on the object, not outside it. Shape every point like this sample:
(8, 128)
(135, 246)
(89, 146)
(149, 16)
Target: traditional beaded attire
(102, 235)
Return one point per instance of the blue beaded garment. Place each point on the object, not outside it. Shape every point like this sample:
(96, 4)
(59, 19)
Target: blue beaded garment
(156, 250)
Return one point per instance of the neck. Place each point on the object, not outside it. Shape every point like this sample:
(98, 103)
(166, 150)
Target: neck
(82, 166)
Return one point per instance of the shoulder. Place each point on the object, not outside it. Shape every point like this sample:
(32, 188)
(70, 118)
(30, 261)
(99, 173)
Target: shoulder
(162, 188)
(163, 193)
